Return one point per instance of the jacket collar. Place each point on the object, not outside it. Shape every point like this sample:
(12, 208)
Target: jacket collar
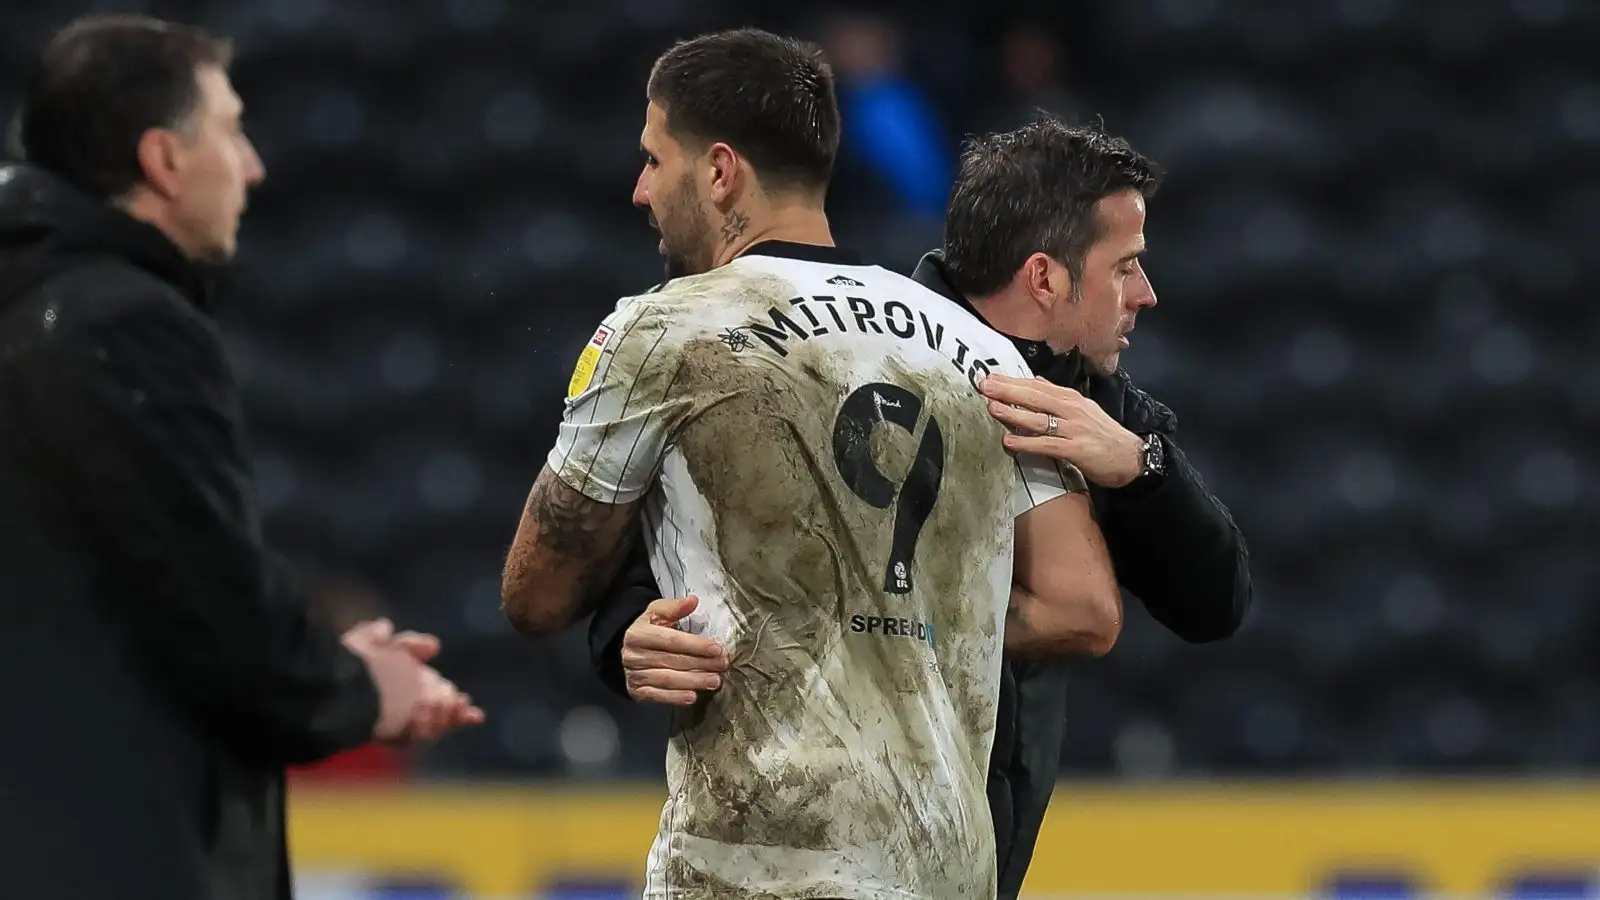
(41, 214)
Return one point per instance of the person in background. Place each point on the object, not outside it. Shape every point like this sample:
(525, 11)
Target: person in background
(890, 121)
(1035, 67)
(160, 667)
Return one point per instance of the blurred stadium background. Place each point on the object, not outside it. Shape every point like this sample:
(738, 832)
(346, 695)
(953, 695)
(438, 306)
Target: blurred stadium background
(1370, 254)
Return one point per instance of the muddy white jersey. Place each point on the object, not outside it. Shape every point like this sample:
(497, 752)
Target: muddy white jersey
(816, 465)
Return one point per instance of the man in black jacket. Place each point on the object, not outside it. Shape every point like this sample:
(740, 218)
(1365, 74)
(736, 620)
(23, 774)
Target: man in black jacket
(1043, 239)
(159, 667)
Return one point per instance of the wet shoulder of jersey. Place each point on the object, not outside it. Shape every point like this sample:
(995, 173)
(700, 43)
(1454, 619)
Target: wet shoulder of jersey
(779, 304)
(817, 330)
(712, 297)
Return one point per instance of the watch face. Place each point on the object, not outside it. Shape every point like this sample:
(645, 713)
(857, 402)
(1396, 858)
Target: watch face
(1155, 455)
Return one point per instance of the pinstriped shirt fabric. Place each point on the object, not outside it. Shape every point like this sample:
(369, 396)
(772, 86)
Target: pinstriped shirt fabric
(815, 463)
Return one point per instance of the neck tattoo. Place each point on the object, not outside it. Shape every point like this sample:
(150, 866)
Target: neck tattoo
(733, 227)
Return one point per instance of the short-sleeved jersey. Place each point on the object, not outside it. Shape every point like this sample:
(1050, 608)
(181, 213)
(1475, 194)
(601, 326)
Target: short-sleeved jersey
(818, 467)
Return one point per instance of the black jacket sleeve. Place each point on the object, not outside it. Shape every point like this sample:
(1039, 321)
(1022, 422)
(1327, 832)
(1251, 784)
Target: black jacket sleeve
(142, 418)
(1175, 546)
(633, 590)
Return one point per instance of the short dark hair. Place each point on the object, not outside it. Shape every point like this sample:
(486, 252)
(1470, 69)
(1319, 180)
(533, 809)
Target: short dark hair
(771, 98)
(1035, 190)
(99, 85)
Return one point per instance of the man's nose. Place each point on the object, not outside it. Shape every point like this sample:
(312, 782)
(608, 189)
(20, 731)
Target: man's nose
(1142, 294)
(255, 170)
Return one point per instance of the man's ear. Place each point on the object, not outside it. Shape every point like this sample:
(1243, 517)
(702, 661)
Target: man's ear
(729, 174)
(158, 152)
(1046, 280)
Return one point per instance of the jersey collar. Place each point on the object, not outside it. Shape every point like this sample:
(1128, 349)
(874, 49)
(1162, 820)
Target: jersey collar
(816, 253)
(1059, 368)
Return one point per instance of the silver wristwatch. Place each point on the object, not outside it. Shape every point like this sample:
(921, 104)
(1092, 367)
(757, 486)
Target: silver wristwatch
(1152, 461)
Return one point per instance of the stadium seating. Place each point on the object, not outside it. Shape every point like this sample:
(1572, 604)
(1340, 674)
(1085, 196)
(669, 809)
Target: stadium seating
(1368, 256)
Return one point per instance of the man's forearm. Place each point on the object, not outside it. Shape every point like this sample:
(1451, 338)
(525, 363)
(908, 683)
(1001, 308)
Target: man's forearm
(1036, 629)
(1178, 550)
(568, 547)
(324, 701)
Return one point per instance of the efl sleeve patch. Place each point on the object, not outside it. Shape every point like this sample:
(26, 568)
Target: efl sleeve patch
(583, 373)
(622, 407)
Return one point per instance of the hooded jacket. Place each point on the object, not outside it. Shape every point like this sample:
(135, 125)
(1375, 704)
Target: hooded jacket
(159, 666)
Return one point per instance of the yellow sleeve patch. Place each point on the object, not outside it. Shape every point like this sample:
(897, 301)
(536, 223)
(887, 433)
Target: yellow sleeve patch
(583, 373)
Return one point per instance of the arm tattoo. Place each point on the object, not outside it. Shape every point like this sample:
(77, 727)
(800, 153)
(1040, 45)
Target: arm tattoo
(554, 576)
(569, 522)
